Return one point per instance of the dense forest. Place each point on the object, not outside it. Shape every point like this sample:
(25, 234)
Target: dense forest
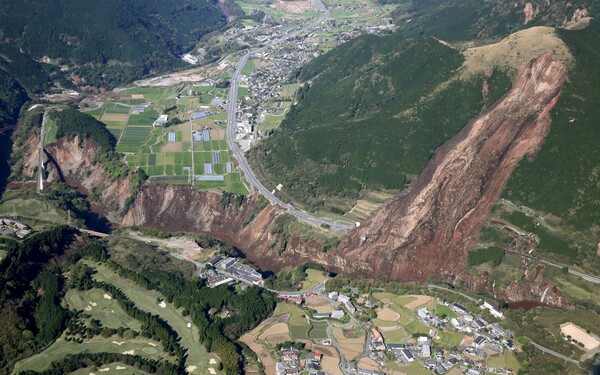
(12, 97)
(71, 123)
(31, 320)
(361, 124)
(108, 42)
(460, 20)
(34, 285)
(563, 178)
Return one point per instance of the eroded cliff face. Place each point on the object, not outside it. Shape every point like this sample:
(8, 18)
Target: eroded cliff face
(182, 208)
(74, 162)
(427, 230)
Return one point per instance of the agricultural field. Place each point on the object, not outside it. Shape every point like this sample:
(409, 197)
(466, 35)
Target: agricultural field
(351, 341)
(197, 356)
(182, 150)
(398, 319)
(506, 360)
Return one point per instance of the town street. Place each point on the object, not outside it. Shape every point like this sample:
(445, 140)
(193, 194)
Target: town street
(239, 155)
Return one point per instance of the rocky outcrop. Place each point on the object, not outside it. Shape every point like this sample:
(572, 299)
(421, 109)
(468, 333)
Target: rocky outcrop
(426, 231)
(75, 161)
(530, 12)
(247, 227)
(534, 289)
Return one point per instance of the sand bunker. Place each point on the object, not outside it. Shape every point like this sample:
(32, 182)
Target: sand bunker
(121, 367)
(107, 296)
(104, 369)
(119, 343)
(151, 344)
(137, 96)
(191, 368)
(88, 308)
(129, 352)
(189, 325)
(388, 315)
(212, 361)
(162, 304)
(212, 371)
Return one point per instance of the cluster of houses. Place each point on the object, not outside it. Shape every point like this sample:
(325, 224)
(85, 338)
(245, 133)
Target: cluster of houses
(487, 336)
(9, 226)
(225, 270)
(292, 362)
(344, 300)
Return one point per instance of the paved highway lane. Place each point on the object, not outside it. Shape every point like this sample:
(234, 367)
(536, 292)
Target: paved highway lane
(253, 181)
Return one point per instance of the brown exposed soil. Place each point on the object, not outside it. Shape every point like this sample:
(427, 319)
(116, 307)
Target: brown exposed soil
(424, 232)
(530, 12)
(74, 162)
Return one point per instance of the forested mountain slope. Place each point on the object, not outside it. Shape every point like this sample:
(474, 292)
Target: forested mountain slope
(564, 177)
(369, 116)
(107, 42)
(468, 20)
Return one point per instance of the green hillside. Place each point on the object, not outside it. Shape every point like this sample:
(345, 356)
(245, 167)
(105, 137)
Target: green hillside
(108, 42)
(368, 120)
(466, 20)
(564, 177)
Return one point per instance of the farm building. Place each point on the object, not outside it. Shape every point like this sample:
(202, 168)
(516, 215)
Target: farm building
(161, 121)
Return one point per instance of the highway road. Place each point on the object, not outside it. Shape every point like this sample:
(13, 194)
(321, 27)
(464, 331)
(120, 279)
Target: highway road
(555, 354)
(239, 155)
(584, 276)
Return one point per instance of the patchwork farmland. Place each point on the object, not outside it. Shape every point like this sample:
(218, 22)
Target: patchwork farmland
(189, 148)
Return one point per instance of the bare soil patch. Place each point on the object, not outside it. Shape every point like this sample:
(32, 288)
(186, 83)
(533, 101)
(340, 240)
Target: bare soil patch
(172, 147)
(320, 304)
(217, 134)
(275, 330)
(579, 334)
(419, 301)
(388, 315)
(351, 347)
(330, 362)
(114, 117)
(368, 364)
(137, 96)
(296, 7)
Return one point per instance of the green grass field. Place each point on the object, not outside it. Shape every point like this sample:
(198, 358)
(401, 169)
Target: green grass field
(115, 108)
(149, 93)
(506, 360)
(106, 311)
(313, 277)
(145, 118)
(110, 368)
(146, 300)
(133, 138)
(61, 348)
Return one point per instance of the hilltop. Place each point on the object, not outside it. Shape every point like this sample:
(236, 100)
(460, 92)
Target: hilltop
(101, 44)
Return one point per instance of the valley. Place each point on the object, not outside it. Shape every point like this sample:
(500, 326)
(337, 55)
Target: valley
(300, 187)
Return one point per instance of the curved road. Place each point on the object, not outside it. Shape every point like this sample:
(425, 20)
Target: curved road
(239, 155)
